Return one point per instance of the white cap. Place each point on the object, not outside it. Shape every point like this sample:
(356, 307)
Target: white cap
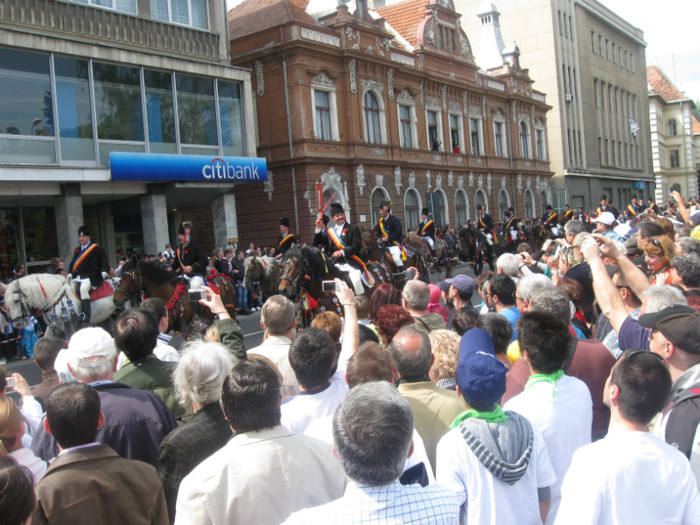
(89, 343)
(606, 218)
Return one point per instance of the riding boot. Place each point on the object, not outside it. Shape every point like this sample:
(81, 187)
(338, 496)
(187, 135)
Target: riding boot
(85, 306)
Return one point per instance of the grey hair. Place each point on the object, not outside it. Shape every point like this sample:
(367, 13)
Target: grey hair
(417, 294)
(372, 432)
(688, 268)
(573, 228)
(533, 283)
(621, 247)
(580, 237)
(278, 315)
(509, 263)
(201, 372)
(662, 295)
(688, 245)
(411, 362)
(552, 300)
(89, 369)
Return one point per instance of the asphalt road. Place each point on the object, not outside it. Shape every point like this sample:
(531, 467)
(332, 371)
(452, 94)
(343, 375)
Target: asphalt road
(250, 325)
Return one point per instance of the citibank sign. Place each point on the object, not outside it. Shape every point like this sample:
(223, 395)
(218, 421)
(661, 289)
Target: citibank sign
(159, 167)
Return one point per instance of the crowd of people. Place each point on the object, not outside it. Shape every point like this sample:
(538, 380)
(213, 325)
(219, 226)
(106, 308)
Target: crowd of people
(560, 386)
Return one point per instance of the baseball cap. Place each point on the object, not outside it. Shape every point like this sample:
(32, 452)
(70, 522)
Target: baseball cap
(463, 283)
(679, 323)
(480, 375)
(90, 343)
(606, 218)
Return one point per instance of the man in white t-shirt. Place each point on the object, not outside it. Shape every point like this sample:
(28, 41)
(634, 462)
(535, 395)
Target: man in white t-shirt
(631, 476)
(559, 406)
(495, 461)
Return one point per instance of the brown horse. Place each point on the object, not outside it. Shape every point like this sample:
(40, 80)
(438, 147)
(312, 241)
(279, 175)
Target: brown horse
(371, 251)
(141, 279)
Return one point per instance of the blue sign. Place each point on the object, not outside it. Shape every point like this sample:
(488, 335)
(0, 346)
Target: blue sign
(640, 185)
(201, 168)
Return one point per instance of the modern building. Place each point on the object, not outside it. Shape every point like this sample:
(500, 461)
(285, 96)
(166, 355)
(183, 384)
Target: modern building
(84, 78)
(359, 105)
(675, 137)
(592, 65)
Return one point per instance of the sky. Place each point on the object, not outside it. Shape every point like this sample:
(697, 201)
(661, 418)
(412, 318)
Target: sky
(669, 30)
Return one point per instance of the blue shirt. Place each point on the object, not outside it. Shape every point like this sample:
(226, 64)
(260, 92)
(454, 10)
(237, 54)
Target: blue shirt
(512, 315)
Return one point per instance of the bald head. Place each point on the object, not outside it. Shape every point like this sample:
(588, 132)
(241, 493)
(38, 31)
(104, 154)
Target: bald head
(410, 349)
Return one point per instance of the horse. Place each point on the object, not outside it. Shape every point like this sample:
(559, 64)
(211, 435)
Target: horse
(304, 268)
(52, 297)
(265, 270)
(475, 248)
(141, 278)
(371, 251)
(441, 260)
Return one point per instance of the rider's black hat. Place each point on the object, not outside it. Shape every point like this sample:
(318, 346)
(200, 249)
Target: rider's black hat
(425, 211)
(187, 225)
(336, 208)
(83, 230)
(284, 222)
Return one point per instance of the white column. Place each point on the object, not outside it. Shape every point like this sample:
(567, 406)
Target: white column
(223, 211)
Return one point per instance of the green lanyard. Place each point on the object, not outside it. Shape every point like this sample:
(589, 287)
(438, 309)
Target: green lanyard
(545, 378)
(495, 416)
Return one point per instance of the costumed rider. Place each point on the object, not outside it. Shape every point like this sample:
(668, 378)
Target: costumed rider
(568, 215)
(88, 269)
(426, 229)
(510, 225)
(484, 223)
(343, 241)
(389, 232)
(634, 208)
(190, 258)
(550, 220)
(286, 239)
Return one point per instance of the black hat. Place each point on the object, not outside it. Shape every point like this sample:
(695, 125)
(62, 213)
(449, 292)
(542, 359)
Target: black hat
(604, 196)
(187, 225)
(549, 207)
(680, 324)
(511, 209)
(425, 211)
(83, 230)
(336, 208)
(284, 222)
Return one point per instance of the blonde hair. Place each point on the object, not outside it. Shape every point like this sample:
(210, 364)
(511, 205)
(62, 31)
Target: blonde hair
(662, 246)
(445, 347)
(212, 335)
(10, 424)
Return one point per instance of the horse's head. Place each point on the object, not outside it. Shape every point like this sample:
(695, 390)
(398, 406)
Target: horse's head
(15, 301)
(253, 271)
(292, 273)
(128, 285)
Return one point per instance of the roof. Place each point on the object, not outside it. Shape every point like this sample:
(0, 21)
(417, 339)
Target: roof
(405, 17)
(662, 86)
(252, 16)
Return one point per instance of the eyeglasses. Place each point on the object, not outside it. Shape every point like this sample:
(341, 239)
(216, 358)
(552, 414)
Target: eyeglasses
(655, 242)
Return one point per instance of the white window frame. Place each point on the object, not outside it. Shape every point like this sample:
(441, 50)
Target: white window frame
(333, 108)
(373, 211)
(460, 131)
(540, 133)
(528, 153)
(440, 135)
(419, 206)
(503, 143)
(529, 196)
(382, 117)
(480, 136)
(467, 212)
(189, 14)
(113, 7)
(485, 199)
(503, 191)
(411, 105)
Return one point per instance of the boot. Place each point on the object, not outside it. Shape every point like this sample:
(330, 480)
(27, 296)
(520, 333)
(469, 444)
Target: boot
(85, 316)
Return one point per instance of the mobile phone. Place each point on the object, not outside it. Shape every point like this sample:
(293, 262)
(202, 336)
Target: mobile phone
(675, 187)
(10, 382)
(196, 295)
(328, 286)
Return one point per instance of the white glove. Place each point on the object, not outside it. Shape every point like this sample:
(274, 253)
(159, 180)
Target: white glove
(69, 276)
(105, 275)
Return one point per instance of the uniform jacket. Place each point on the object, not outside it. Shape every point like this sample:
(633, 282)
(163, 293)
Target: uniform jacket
(94, 486)
(136, 422)
(484, 222)
(430, 230)
(350, 235)
(284, 245)
(191, 255)
(92, 266)
(392, 226)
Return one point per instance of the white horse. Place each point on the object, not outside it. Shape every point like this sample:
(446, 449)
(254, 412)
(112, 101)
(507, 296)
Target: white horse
(265, 270)
(54, 296)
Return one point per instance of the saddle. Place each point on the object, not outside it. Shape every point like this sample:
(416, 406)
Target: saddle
(104, 290)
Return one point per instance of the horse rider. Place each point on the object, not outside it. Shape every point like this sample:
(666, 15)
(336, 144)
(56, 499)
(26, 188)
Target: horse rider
(484, 223)
(606, 206)
(510, 225)
(88, 269)
(343, 242)
(286, 239)
(634, 208)
(568, 214)
(426, 229)
(190, 258)
(389, 232)
(550, 220)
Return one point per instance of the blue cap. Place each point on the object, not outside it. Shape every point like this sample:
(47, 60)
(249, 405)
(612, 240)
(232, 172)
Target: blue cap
(462, 282)
(480, 375)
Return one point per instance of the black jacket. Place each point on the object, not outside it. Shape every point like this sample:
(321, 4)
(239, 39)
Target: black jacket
(191, 255)
(350, 236)
(393, 228)
(92, 266)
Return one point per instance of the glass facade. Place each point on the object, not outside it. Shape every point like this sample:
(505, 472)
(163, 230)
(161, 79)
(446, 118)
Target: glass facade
(54, 117)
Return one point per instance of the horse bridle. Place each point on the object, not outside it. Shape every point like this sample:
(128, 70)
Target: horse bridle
(27, 311)
(128, 276)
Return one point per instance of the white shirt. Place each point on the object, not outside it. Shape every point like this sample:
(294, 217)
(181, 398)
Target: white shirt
(276, 349)
(25, 456)
(484, 499)
(564, 419)
(629, 478)
(303, 408)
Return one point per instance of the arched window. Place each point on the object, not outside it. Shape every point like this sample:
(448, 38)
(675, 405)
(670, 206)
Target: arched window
(461, 208)
(543, 200)
(373, 127)
(378, 195)
(411, 206)
(328, 193)
(524, 140)
(529, 204)
(672, 128)
(440, 211)
(481, 198)
(503, 203)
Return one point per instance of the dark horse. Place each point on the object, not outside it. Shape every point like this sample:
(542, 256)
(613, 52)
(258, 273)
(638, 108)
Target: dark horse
(371, 251)
(303, 270)
(475, 249)
(442, 260)
(141, 280)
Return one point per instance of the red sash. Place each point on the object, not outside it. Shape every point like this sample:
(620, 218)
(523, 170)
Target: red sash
(83, 256)
(341, 246)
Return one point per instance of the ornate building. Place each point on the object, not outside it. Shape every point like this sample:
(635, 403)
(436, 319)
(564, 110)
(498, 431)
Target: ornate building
(370, 105)
(675, 137)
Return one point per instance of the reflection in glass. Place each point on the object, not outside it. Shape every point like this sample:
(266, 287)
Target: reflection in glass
(118, 102)
(230, 114)
(159, 110)
(74, 115)
(40, 242)
(29, 109)
(196, 110)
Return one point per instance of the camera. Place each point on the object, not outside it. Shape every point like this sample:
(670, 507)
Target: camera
(675, 187)
(196, 295)
(10, 382)
(409, 274)
(328, 286)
